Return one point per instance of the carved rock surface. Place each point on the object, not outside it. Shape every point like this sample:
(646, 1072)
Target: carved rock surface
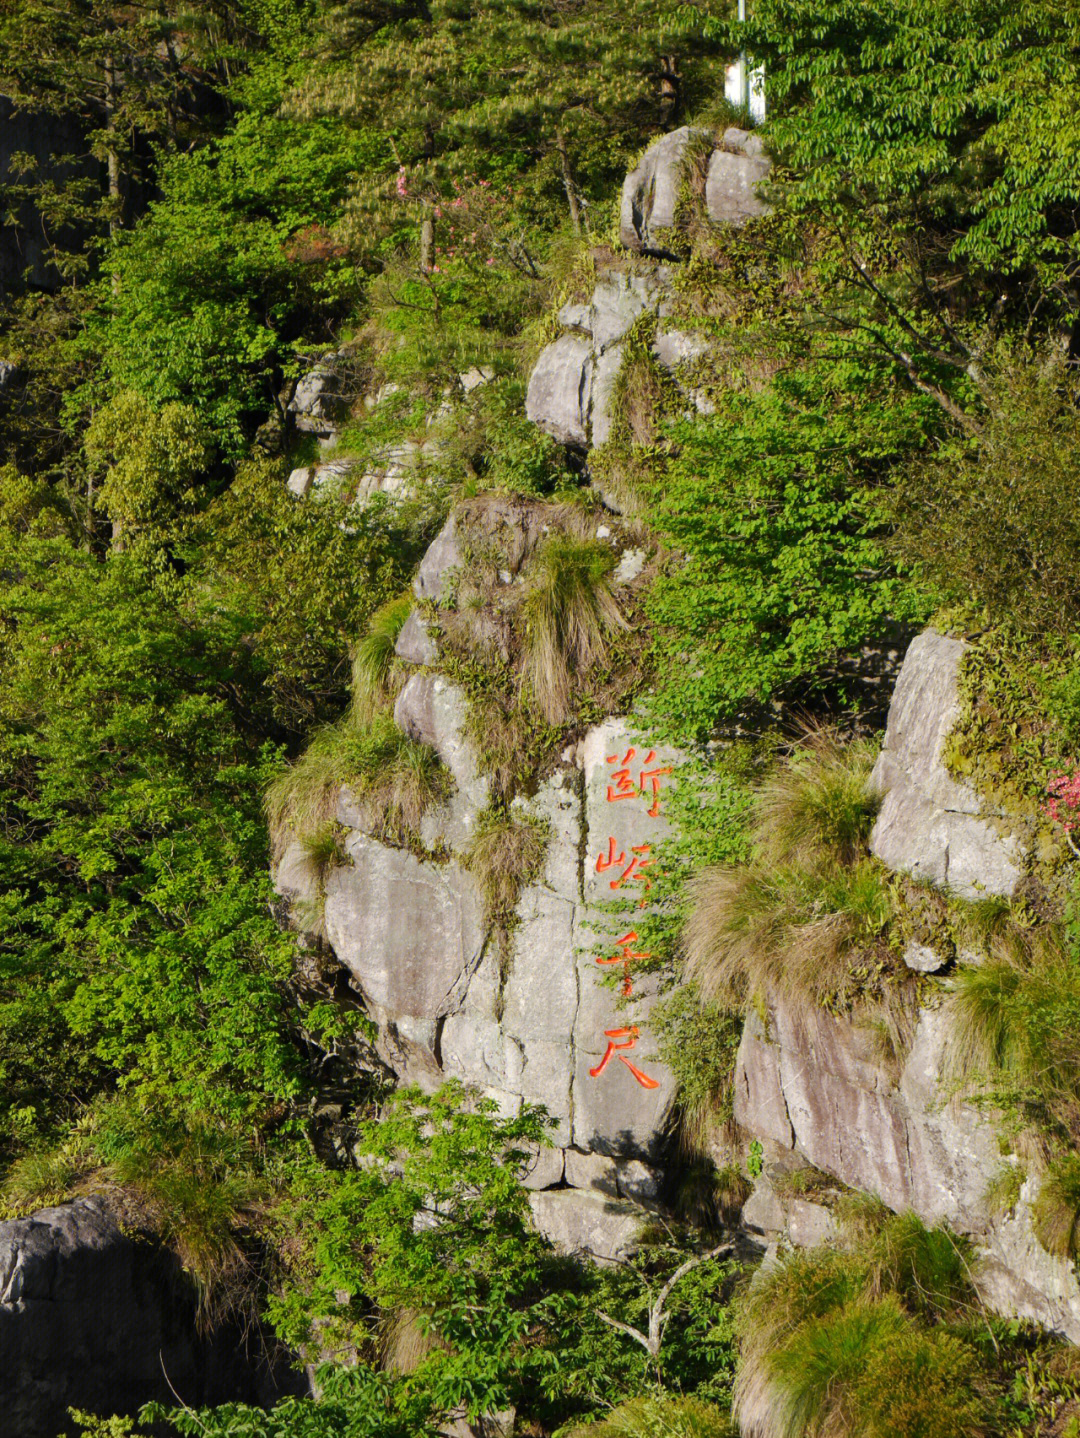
(93, 1319)
(929, 825)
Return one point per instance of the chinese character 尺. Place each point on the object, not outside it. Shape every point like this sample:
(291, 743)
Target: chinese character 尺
(628, 1038)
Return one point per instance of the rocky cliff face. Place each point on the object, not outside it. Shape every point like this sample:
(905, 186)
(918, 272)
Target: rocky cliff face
(95, 1319)
(812, 1088)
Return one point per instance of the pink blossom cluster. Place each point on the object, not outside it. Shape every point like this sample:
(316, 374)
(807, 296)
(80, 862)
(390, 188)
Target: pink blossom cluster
(1063, 805)
(402, 183)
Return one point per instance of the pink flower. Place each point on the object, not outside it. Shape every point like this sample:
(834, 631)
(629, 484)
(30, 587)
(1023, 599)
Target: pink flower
(1063, 805)
(402, 183)
(490, 260)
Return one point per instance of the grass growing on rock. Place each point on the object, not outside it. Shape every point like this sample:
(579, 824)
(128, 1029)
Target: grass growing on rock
(506, 853)
(569, 613)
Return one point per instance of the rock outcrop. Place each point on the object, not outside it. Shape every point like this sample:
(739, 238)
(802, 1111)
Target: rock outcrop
(95, 1319)
(812, 1088)
(930, 824)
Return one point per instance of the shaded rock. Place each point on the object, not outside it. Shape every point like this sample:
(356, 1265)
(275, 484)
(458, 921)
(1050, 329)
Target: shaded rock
(559, 389)
(651, 192)
(637, 1181)
(735, 171)
(92, 1318)
(8, 371)
(544, 1169)
(592, 1171)
(317, 404)
(763, 1212)
(675, 347)
(443, 555)
(414, 644)
(409, 932)
(294, 877)
(928, 825)
(589, 1224)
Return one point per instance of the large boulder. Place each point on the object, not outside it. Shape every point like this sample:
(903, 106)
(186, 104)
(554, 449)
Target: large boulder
(93, 1318)
(810, 1083)
(736, 169)
(930, 824)
(650, 194)
(559, 390)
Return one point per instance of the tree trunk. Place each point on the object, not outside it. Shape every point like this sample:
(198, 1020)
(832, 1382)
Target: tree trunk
(568, 182)
(113, 156)
(427, 240)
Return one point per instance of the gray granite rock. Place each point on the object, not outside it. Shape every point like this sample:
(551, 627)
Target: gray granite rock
(928, 824)
(605, 378)
(587, 1224)
(442, 557)
(316, 404)
(91, 1317)
(735, 171)
(432, 710)
(409, 932)
(559, 390)
(651, 192)
(544, 1169)
(675, 347)
(593, 1171)
(618, 301)
(414, 644)
(923, 960)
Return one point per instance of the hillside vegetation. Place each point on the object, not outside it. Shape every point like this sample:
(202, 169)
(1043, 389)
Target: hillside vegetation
(193, 662)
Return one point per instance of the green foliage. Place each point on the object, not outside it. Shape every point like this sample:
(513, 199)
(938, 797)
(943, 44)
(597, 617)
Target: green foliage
(781, 535)
(990, 517)
(660, 1416)
(374, 657)
(697, 1041)
(1056, 1210)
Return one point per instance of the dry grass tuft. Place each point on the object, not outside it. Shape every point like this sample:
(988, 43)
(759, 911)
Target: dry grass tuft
(406, 1340)
(569, 611)
(1056, 1210)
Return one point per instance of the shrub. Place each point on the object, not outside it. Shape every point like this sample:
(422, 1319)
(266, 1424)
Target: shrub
(920, 1385)
(819, 802)
(569, 612)
(992, 517)
(929, 1268)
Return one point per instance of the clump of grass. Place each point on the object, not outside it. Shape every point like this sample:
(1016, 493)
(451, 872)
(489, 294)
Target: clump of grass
(47, 1177)
(698, 1042)
(854, 1344)
(392, 779)
(373, 662)
(801, 917)
(1015, 1028)
(406, 1340)
(506, 853)
(660, 1415)
(1056, 1210)
(819, 802)
(569, 611)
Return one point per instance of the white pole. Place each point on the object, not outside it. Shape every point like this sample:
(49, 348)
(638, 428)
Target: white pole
(744, 67)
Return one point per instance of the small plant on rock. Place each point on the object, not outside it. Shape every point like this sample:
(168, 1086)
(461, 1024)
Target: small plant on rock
(1056, 1211)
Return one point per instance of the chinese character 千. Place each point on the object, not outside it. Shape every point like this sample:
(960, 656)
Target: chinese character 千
(627, 957)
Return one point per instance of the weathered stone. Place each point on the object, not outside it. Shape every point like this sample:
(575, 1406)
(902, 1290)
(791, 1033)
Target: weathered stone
(617, 302)
(476, 377)
(763, 1212)
(760, 1106)
(923, 960)
(544, 1169)
(90, 1317)
(592, 1171)
(558, 803)
(605, 377)
(300, 481)
(928, 825)
(433, 711)
(559, 389)
(651, 192)
(587, 1224)
(294, 876)
(674, 348)
(1017, 1277)
(316, 404)
(631, 563)
(810, 1224)
(731, 184)
(637, 1181)
(575, 316)
(8, 371)
(409, 932)
(443, 556)
(414, 644)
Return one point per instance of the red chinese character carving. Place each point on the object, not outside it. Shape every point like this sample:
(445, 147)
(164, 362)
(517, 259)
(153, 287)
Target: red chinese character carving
(632, 873)
(623, 787)
(629, 1038)
(627, 957)
(653, 777)
(610, 860)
